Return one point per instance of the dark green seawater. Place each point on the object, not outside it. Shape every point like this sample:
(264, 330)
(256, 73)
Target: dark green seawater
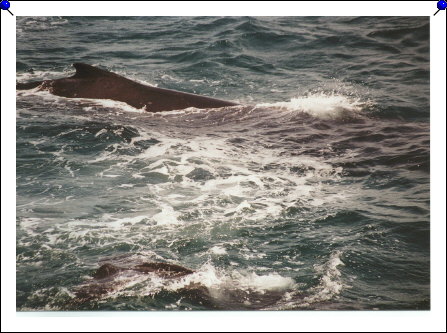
(314, 194)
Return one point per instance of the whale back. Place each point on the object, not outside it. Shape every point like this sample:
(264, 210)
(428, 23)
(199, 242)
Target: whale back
(96, 83)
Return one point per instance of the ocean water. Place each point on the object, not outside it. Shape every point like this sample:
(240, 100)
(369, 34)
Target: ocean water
(311, 195)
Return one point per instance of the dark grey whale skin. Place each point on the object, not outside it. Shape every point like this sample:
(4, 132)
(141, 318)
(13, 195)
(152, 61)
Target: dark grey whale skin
(106, 280)
(93, 82)
(162, 269)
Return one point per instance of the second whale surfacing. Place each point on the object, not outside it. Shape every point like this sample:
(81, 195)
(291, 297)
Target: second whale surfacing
(96, 83)
(109, 278)
(169, 281)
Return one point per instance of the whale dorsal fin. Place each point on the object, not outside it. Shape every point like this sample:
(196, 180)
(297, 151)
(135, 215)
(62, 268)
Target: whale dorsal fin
(84, 71)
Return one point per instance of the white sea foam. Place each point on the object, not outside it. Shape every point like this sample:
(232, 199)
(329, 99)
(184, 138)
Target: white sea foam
(144, 82)
(218, 250)
(331, 283)
(217, 280)
(42, 75)
(102, 131)
(108, 103)
(262, 283)
(169, 77)
(167, 216)
(127, 220)
(250, 188)
(322, 105)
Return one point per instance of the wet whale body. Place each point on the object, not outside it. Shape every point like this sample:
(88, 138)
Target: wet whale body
(159, 268)
(110, 279)
(94, 82)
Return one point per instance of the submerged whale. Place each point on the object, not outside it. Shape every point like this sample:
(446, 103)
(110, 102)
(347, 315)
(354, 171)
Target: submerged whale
(159, 268)
(110, 279)
(93, 82)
